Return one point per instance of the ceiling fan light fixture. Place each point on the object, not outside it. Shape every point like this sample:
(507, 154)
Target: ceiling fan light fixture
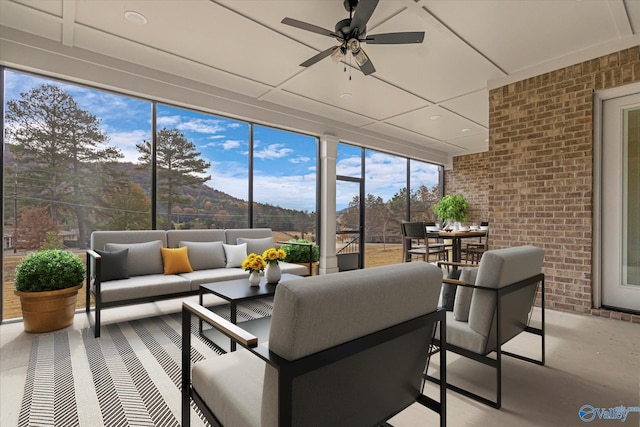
(360, 57)
(337, 54)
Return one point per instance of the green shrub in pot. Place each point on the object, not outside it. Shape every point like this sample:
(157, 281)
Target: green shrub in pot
(300, 253)
(49, 270)
(452, 207)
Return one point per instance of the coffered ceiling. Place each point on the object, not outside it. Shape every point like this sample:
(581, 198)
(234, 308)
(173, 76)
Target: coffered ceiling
(432, 96)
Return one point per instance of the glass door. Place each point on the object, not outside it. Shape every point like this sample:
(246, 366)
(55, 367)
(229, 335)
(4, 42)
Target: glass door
(621, 203)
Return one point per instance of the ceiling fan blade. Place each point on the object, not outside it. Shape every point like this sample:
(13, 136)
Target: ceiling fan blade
(309, 27)
(363, 13)
(309, 62)
(396, 38)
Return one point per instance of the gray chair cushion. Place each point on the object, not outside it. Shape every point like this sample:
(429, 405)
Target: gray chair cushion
(113, 265)
(462, 302)
(205, 255)
(144, 258)
(231, 385)
(361, 299)
(499, 268)
(256, 246)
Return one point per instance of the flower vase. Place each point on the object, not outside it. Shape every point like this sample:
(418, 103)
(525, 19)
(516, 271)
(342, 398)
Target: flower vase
(254, 278)
(272, 273)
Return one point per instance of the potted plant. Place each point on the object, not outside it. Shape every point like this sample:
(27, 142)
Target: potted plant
(452, 208)
(47, 283)
(298, 251)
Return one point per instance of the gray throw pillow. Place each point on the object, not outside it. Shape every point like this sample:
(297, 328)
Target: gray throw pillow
(449, 291)
(462, 302)
(205, 255)
(113, 265)
(256, 246)
(144, 258)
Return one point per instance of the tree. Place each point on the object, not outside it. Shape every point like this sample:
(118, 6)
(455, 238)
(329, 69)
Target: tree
(55, 142)
(178, 165)
(129, 209)
(35, 223)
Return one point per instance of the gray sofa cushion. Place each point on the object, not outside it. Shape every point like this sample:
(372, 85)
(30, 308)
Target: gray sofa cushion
(205, 255)
(462, 302)
(144, 258)
(256, 246)
(113, 265)
(144, 287)
(232, 234)
(174, 237)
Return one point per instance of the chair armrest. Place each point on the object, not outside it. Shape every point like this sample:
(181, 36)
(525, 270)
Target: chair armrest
(459, 283)
(234, 332)
(456, 264)
(93, 278)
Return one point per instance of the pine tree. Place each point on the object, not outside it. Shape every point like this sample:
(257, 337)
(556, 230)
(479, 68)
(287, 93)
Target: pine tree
(178, 165)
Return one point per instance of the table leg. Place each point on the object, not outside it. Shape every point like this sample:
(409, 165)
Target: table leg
(234, 315)
(199, 319)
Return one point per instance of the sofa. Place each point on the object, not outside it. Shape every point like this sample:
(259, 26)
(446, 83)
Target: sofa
(136, 266)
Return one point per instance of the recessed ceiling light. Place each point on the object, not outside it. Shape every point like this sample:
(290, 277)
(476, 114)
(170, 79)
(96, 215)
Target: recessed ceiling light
(345, 96)
(436, 117)
(135, 17)
(466, 130)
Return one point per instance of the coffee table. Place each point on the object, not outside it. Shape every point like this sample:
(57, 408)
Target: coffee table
(237, 291)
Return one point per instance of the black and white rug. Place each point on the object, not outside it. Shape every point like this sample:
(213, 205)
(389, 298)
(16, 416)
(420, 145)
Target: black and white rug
(130, 376)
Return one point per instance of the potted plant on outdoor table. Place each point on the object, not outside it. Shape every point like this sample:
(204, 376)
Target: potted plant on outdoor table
(47, 283)
(452, 208)
(298, 251)
(272, 256)
(254, 264)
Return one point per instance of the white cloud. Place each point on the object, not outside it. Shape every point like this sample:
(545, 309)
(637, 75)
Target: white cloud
(202, 126)
(167, 121)
(230, 144)
(273, 151)
(300, 159)
(126, 142)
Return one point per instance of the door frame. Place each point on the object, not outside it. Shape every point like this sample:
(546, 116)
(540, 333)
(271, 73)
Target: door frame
(599, 97)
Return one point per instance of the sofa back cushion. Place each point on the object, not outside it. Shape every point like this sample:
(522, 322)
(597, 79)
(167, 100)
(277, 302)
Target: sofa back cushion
(143, 258)
(256, 246)
(205, 255)
(232, 234)
(174, 237)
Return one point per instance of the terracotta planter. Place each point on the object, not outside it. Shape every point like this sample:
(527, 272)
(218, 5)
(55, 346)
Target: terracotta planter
(48, 311)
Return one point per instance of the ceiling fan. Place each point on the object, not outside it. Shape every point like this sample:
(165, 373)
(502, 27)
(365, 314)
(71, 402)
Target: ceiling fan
(351, 33)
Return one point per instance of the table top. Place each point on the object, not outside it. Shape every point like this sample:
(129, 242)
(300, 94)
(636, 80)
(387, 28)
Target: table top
(474, 233)
(239, 289)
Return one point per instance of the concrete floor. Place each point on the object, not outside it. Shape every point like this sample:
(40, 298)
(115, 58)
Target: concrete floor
(590, 361)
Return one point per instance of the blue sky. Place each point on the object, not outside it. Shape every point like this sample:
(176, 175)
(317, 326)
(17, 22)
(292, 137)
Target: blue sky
(284, 162)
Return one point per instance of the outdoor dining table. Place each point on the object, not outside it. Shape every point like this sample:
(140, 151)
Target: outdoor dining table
(456, 240)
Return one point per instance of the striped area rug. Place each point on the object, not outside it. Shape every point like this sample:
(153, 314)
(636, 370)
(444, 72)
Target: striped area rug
(130, 376)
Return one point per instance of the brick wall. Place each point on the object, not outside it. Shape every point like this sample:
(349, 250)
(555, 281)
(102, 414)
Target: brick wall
(539, 171)
(471, 178)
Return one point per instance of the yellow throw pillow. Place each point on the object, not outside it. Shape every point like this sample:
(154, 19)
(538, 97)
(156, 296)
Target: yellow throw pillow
(176, 260)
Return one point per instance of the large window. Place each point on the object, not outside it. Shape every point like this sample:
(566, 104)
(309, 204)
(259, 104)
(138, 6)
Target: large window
(78, 159)
(284, 182)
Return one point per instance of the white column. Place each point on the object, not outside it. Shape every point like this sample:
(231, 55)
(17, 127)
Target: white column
(327, 241)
